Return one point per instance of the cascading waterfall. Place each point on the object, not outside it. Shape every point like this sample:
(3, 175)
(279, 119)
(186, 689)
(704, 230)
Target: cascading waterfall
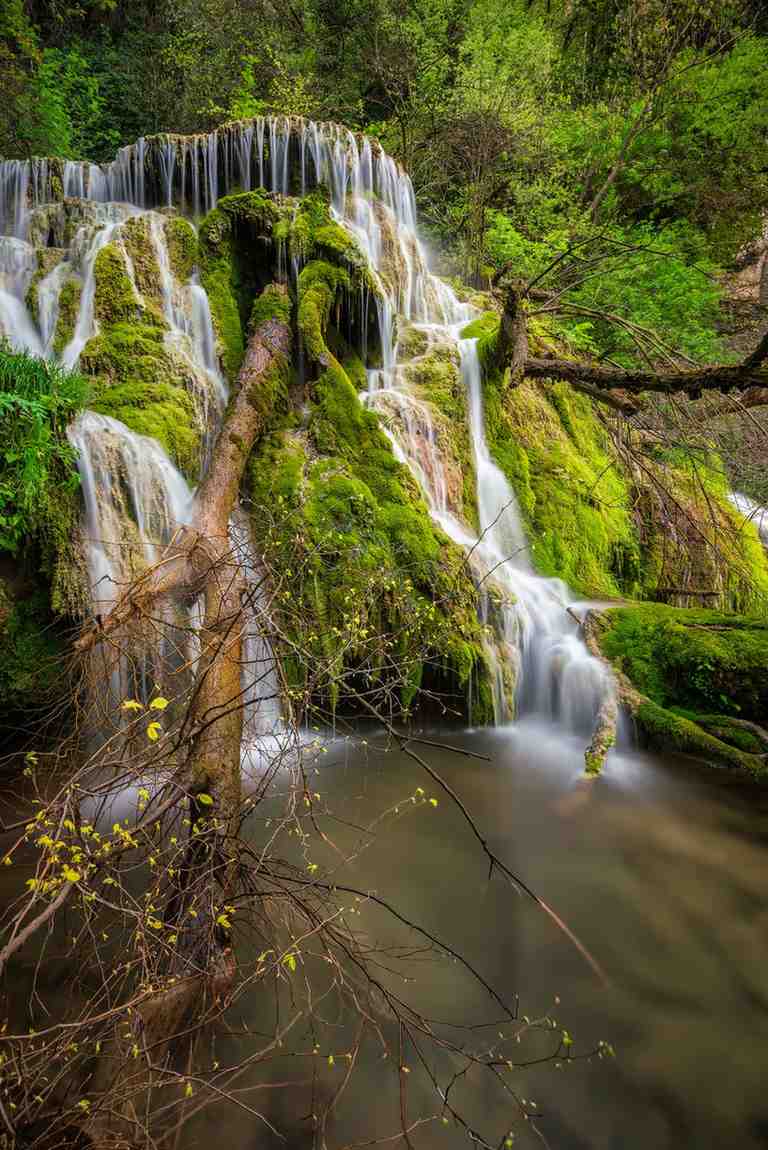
(558, 678)
(17, 267)
(536, 641)
(753, 512)
(134, 501)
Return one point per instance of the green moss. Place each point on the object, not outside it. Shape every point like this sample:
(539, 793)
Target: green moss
(272, 304)
(666, 731)
(159, 410)
(218, 274)
(69, 308)
(374, 584)
(702, 661)
(411, 342)
(115, 301)
(435, 378)
(140, 384)
(183, 251)
(696, 549)
(728, 730)
(319, 285)
(137, 242)
(485, 326)
(574, 497)
(47, 260)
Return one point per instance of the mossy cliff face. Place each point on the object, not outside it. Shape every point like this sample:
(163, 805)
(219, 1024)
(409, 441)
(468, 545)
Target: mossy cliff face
(574, 498)
(698, 679)
(642, 523)
(140, 376)
(696, 548)
(372, 590)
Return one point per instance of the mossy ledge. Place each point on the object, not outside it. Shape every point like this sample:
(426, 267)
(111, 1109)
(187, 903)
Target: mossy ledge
(694, 680)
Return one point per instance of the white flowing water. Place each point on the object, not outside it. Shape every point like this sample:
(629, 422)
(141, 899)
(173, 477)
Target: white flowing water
(135, 501)
(752, 512)
(18, 264)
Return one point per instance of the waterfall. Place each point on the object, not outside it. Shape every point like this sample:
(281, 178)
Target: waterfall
(17, 266)
(134, 502)
(558, 678)
(752, 512)
(533, 633)
(88, 244)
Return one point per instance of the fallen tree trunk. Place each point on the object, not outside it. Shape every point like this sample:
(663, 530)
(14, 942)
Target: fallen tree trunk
(745, 383)
(196, 550)
(200, 560)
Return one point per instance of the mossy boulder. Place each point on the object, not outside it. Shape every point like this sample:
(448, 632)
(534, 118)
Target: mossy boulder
(115, 300)
(698, 677)
(139, 382)
(69, 309)
(702, 660)
(183, 249)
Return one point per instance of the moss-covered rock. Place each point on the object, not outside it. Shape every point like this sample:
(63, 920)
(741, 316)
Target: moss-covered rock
(115, 300)
(698, 679)
(376, 592)
(139, 382)
(695, 547)
(69, 308)
(434, 377)
(183, 251)
(140, 251)
(697, 659)
(573, 494)
(47, 260)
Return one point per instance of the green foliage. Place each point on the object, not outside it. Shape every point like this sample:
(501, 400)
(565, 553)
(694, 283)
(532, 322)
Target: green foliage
(38, 477)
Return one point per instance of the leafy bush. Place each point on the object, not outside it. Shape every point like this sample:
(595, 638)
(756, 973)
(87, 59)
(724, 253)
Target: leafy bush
(38, 399)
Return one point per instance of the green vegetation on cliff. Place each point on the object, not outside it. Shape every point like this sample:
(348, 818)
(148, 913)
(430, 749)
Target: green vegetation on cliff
(700, 660)
(700, 676)
(38, 480)
(371, 587)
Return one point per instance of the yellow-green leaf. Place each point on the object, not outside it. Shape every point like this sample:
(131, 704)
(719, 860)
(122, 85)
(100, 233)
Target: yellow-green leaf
(132, 705)
(159, 704)
(153, 731)
(204, 799)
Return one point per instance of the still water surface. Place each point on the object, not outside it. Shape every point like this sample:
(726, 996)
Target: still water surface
(659, 868)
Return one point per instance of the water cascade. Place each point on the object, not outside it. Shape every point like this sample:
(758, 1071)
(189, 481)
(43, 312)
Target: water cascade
(753, 512)
(540, 663)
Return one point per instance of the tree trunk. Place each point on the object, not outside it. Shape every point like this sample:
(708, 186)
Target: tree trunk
(203, 966)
